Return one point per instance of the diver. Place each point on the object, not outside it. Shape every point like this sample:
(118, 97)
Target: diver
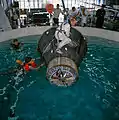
(16, 44)
(23, 67)
(29, 64)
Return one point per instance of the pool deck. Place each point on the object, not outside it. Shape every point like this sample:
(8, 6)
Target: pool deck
(87, 31)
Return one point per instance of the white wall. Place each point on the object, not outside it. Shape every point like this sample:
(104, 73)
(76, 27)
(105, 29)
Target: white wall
(4, 22)
(110, 35)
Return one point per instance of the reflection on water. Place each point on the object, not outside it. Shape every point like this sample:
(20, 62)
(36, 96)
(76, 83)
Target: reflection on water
(95, 96)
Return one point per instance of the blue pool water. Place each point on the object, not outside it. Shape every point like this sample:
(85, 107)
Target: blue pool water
(95, 96)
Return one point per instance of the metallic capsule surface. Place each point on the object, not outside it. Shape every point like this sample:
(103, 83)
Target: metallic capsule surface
(62, 67)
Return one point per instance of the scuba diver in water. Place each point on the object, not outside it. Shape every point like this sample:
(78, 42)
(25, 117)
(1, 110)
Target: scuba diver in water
(16, 44)
(29, 64)
(22, 67)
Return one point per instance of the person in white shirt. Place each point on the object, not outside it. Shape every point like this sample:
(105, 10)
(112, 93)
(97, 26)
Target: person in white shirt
(22, 22)
(84, 14)
(56, 14)
(73, 13)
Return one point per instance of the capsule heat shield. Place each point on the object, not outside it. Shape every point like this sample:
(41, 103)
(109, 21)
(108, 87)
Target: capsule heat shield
(62, 71)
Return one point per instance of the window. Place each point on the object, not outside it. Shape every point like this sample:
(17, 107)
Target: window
(31, 5)
(68, 3)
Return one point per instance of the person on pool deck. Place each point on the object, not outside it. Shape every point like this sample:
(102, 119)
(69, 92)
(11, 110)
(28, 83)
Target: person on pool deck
(73, 13)
(100, 14)
(16, 44)
(29, 64)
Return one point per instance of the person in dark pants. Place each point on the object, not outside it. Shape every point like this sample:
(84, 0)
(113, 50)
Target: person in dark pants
(100, 13)
(56, 14)
(56, 21)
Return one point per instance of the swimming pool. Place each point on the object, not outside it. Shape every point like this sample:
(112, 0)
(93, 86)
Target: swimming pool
(95, 96)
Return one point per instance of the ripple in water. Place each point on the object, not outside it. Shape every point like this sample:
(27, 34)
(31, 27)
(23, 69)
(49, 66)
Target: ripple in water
(31, 97)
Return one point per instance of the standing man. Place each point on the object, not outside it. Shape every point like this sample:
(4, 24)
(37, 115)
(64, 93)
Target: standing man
(100, 13)
(73, 13)
(84, 14)
(56, 14)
